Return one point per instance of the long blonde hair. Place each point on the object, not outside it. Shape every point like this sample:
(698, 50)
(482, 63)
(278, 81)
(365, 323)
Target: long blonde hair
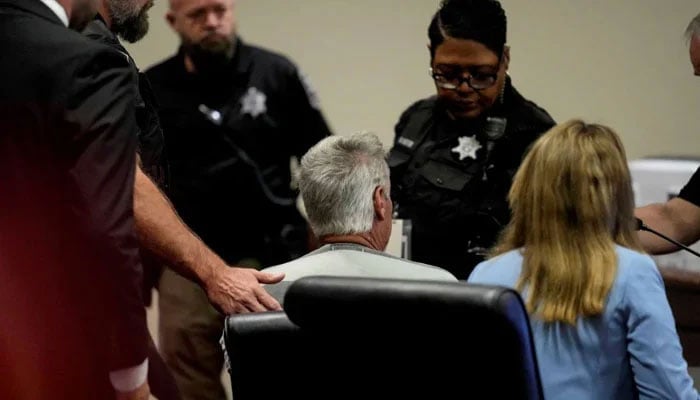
(571, 202)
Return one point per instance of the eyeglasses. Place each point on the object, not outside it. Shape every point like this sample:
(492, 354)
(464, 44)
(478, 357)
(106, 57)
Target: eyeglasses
(476, 80)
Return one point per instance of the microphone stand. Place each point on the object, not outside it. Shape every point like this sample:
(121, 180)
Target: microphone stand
(494, 129)
(642, 227)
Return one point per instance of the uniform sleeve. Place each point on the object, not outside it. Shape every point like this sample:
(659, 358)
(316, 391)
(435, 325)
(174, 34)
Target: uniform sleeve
(397, 160)
(307, 119)
(656, 356)
(102, 108)
(400, 125)
(691, 190)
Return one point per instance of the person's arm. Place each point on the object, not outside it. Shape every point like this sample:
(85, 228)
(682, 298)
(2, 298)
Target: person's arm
(677, 218)
(308, 125)
(656, 355)
(231, 290)
(142, 392)
(306, 120)
(100, 122)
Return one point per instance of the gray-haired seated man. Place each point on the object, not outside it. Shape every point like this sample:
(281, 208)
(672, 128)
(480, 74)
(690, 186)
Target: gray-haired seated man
(344, 183)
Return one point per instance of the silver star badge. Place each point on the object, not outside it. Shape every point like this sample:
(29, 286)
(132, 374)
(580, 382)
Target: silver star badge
(254, 102)
(467, 147)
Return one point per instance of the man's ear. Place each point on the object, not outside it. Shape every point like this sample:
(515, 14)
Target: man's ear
(380, 199)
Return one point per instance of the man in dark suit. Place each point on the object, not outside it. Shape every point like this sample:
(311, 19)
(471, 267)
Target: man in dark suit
(72, 324)
(163, 237)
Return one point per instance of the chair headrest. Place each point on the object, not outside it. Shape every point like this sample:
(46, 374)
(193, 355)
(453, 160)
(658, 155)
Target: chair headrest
(343, 302)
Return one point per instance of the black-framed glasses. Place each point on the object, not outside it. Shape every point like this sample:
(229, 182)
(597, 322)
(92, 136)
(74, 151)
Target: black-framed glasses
(476, 80)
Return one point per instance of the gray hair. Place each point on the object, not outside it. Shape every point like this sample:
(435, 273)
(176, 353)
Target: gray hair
(337, 179)
(693, 28)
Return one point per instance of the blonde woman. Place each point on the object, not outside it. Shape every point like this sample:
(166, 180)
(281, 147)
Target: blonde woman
(602, 324)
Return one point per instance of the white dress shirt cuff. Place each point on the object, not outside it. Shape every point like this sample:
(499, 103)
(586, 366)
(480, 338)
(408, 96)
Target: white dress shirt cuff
(128, 379)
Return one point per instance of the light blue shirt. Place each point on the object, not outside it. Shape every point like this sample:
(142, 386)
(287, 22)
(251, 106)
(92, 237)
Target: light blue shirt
(631, 351)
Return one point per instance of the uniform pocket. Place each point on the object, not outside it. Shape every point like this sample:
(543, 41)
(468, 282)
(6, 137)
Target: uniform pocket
(445, 176)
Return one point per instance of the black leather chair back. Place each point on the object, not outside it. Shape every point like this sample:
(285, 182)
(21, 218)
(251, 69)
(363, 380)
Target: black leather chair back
(382, 338)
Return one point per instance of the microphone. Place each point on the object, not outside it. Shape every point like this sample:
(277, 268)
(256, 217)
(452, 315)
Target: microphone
(214, 116)
(642, 227)
(494, 129)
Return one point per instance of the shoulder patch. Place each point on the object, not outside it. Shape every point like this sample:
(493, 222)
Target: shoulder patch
(406, 142)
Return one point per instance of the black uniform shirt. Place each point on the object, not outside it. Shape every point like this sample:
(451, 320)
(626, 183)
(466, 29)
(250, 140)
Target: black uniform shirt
(266, 114)
(452, 180)
(691, 190)
(151, 143)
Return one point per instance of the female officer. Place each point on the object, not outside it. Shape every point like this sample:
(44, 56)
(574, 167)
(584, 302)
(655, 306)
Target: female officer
(455, 153)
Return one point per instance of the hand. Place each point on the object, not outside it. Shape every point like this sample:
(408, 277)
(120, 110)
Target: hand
(234, 290)
(142, 392)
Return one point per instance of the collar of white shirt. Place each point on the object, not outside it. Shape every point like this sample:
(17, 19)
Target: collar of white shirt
(58, 10)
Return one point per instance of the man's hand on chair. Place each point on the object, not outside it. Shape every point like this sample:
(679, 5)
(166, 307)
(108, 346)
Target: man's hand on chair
(142, 392)
(234, 290)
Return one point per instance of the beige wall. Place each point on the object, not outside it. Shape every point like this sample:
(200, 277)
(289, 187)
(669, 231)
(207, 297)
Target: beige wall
(620, 62)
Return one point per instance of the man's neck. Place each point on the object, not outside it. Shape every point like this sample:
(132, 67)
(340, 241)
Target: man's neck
(66, 4)
(189, 65)
(363, 239)
(104, 13)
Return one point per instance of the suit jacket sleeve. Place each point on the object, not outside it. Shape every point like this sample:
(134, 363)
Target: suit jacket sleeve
(101, 107)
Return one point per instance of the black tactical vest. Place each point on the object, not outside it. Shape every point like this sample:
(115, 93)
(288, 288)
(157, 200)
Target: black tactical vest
(451, 178)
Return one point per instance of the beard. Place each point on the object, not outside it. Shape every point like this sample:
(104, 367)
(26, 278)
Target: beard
(211, 57)
(127, 23)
